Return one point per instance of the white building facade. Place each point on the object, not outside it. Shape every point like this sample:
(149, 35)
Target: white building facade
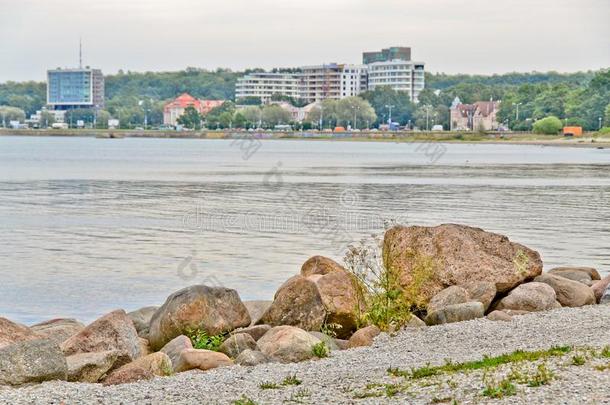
(264, 85)
(398, 74)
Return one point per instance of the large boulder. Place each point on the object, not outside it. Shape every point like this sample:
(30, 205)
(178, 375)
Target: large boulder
(141, 319)
(585, 275)
(529, 297)
(569, 293)
(201, 359)
(256, 309)
(212, 309)
(91, 367)
(319, 265)
(324, 292)
(11, 332)
(113, 331)
(481, 291)
(600, 287)
(58, 330)
(363, 337)
(252, 358)
(451, 254)
(31, 361)
(237, 343)
(287, 344)
(449, 296)
(175, 346)
(456, 313)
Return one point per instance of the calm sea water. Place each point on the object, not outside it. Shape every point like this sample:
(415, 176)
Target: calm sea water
(90, 225)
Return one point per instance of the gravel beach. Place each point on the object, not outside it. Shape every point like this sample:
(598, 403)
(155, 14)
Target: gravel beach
(360, 375)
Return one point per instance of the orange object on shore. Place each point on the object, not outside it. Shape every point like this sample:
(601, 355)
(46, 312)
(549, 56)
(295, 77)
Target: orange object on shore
(572, 131)
(339, 129)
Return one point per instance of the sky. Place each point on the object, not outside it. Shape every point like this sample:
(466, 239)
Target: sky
(452, 36)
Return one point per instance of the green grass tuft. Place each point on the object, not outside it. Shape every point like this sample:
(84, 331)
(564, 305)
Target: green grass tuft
(320, 350)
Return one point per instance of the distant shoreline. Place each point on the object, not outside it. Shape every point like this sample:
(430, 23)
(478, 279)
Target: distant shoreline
(588, 141)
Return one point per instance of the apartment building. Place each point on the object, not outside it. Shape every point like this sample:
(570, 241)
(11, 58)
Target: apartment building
(263, 85)
(389, 67)
(334, 81)
(398, 74)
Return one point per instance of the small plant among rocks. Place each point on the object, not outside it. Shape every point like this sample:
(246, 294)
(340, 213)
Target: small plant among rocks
(578, 360)
(244, 400)
(201, 340)
(605, 352)
(268, 385)
(320, 350)
(300, 395)
(501, 389)
(543, 376)
(291, 380)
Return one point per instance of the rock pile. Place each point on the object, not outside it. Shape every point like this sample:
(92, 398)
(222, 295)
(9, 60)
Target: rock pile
(472, 274)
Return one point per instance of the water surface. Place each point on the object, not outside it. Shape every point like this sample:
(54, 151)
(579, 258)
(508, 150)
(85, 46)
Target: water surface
(90, 225)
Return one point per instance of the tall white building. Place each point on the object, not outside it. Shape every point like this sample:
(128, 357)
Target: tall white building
(400, 75)
(264, 85)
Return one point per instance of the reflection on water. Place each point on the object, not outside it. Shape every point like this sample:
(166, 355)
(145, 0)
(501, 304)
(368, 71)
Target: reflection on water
(91, 225)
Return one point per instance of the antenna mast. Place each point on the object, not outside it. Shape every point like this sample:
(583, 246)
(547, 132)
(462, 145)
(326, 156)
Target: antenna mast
(80, 52)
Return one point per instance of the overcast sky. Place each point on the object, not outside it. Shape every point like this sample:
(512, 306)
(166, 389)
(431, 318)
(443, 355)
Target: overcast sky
(473, 36)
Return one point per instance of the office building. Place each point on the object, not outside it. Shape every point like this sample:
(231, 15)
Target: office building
(75, 88)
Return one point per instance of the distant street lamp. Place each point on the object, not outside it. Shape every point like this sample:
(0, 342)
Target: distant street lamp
(389, 107)
(600, 123)
(356, 109)
(517, 113)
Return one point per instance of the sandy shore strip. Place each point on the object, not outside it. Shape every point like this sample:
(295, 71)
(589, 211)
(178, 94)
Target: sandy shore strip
(361, 375)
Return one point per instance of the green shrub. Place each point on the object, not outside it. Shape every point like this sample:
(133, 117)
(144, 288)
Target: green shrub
(387, 303)
(201, 340)
(578, 360)
(291, 380)
(504, 388)
(549, 126)
(320, 350)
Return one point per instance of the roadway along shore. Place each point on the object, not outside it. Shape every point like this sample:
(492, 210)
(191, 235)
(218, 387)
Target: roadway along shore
(590, 140)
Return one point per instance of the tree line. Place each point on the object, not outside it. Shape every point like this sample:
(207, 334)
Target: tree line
(580, 98)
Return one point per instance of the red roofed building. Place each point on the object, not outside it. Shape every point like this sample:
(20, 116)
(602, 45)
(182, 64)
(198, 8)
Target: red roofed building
(480, 115)
(174, 109)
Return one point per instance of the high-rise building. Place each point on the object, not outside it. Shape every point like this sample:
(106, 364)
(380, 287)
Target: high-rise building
(400, 75)
(75, 88)
(334, 81)
(387, 54)
(264, 85)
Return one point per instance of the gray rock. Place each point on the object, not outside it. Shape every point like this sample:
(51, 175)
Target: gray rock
(141, 319)
(256, 309)
(482, 291)
(32, 361)
(530, 297)
(569, 293)
(449, 296)
(58, 330)
(415, 322)
(252, 358)
(456, 313)
(213, 309)
(499, 316)
(175, 346)
(330, 342)
(575, 273)
(256, 331)
(91, 367)
(287, 344)
(237, 343)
